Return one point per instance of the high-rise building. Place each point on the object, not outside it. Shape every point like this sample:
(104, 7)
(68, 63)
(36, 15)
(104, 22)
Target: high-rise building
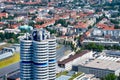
(31, 0)
(38, 56)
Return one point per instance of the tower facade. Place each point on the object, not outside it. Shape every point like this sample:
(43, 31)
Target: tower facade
(38, 56)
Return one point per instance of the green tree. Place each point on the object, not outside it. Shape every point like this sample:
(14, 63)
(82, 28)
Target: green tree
(63, 22)
(31, 23)
(50, 12)
(40, 23)
(110, 77)
(51, 31)
(2, 37)
(100, 48)
(94, 47)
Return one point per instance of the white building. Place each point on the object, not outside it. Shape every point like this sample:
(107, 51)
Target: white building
(15, 31)
(67, 63)
(115, 32)
(100, 66)
(101, 42)
(101, 32)
(97, 32)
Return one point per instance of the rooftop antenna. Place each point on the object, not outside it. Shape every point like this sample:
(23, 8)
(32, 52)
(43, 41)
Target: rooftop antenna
(27, 25)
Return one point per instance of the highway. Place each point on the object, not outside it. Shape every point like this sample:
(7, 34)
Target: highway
(9, 69)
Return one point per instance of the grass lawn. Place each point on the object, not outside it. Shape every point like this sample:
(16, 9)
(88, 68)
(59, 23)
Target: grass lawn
(58, 46)
(8, 61)
(61, 73)
(75, 75)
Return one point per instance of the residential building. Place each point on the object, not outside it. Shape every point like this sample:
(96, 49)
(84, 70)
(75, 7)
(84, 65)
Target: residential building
(15, 31)
(3, 15)
(100, 42)
(115, 32)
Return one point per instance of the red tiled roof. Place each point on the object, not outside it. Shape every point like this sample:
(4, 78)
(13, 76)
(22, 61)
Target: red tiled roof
(87, 33)
(105, 27)
(1, 22)
(14, 26)
(32, 2)
(3, 15)
(81, 25)
(39, 26)
(82, 14)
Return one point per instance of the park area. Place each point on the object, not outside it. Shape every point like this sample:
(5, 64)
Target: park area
(65, 75)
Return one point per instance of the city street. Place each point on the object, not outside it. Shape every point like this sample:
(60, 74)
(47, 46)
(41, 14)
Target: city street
(9, 69)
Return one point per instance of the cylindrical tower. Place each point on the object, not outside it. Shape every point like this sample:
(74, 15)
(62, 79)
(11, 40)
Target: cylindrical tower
(52, 58)
(38, 56)
(40, 59)
(26, 59)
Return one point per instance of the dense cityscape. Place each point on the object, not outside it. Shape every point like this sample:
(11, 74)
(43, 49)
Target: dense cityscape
(59, 39)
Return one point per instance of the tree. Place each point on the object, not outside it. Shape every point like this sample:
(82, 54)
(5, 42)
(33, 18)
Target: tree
(31, 23)
(50, 12)
(9, 37)
(51, 31)
(63, 22)
(100, 48)
(94, 47)
(72, 46)
(33, 17)
(118, 78)
(89, 27)
(110, 77)
(115, 47)
(40, 23)
(2, 37)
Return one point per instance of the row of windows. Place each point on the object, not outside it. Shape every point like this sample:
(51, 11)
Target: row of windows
(52, 74)
(26, 67)
(26, 50)
(44, 78)
(27, 55)
(40, 44)
(40, 58)
(26, 59)
(42, 69)
(29, 44)
(40, 47)
(26, 75)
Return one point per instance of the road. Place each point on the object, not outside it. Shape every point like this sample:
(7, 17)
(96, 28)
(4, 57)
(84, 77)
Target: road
(12, 68)
(60, 52)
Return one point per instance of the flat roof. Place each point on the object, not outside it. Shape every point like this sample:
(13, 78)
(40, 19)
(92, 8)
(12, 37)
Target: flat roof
(111, 52)
(72, 57)
(103, 64)
(63, 77)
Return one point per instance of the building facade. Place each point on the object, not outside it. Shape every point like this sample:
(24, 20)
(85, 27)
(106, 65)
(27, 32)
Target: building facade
(38, 56)
(100, 66)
